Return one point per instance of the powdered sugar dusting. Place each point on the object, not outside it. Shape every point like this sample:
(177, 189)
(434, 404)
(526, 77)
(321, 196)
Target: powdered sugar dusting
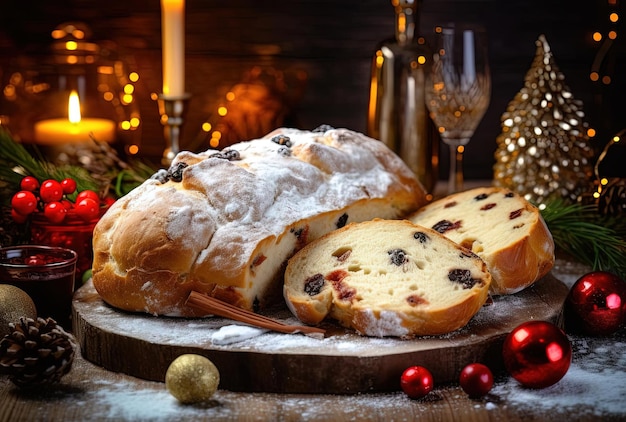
(229, 334)
(387, 324)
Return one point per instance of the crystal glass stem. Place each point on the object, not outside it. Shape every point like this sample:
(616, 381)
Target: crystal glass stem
(455, 176)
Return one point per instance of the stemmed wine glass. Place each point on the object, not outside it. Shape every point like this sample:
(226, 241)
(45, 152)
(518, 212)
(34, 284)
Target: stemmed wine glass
(458, 90)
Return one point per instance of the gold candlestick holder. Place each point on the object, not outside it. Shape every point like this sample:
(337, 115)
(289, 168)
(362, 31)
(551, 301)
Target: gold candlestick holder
(172, 110)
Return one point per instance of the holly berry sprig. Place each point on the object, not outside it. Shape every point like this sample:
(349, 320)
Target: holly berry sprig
(52, 198)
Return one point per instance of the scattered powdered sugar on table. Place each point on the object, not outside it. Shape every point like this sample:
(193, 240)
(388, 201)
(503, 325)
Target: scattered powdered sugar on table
(594, 388)
(124, 401)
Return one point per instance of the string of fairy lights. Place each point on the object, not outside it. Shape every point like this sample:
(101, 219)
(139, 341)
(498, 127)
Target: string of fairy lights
(602, 68)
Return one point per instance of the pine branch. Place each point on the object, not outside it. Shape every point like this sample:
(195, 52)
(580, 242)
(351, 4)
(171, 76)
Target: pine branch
(16, 162)
(596, 240)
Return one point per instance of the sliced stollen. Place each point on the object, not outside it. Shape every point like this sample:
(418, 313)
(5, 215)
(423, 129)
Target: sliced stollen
(501, 227)
(386, 278)
(224, 223)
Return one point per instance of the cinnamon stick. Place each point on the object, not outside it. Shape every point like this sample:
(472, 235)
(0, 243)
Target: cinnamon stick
(214, 306)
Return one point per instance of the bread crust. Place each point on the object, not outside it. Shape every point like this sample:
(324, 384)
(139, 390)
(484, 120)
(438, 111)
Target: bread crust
(228, 221)
(515, 261)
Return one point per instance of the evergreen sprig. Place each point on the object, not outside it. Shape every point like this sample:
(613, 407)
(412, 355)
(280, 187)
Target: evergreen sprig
(594, 239)
(16, 162)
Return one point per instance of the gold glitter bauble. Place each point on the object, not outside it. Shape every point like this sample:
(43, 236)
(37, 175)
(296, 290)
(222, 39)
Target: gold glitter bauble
(192, 378)
(543, 150)
(14, 303)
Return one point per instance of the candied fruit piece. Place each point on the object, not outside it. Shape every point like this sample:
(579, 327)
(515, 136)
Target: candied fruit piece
(302, 236)
(282, 140)
(415, 300)
(421, 237)
(446, 225)
(341, 221)
(227, 154)
(313, 285)
(175, 173)
(398, 257)
(322, 128)
(463, 277)
(344, 291)
(342, 254)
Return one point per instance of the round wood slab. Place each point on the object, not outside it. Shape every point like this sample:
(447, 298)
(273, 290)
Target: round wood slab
(343, 362)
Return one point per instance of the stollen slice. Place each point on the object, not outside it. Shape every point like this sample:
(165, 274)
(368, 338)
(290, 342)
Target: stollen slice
(387, 278)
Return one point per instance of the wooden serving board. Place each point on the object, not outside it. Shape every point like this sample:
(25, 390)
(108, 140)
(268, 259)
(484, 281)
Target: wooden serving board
(343, 362)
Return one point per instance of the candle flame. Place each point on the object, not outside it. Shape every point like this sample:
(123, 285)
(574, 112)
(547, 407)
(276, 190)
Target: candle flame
(74, 108)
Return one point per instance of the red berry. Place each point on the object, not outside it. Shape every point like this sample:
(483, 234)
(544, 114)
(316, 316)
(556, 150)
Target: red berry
(17, 217)
(24, 202)
(476, 379)
(108, 201)
(88, 194)
(54, 212)
(29, 183)
(68, 185)
(51, 191)
(416, 382)
(87, 209)
(67, 204)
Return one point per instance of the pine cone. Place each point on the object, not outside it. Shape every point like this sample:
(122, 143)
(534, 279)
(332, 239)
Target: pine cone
(36, 352)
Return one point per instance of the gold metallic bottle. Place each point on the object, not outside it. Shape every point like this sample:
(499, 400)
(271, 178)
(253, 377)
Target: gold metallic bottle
(397, 113)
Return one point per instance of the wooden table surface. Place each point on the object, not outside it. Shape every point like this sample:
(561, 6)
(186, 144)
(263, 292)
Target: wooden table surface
(593, 389)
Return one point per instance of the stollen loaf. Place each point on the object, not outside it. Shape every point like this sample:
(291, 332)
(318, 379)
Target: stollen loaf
(501, 227)
(386, 278)
(225, 222)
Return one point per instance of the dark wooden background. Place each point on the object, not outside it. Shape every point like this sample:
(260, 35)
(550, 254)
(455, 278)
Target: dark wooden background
(314, 57)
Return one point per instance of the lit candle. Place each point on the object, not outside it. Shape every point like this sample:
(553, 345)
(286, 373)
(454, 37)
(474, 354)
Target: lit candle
(74, 129)
(173, 44)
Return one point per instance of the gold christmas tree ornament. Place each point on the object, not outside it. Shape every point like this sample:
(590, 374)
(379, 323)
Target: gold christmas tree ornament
(544, 151)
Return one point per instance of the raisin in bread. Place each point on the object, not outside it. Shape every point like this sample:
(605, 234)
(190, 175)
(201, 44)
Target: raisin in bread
(386, 278)
(225, 222)
(501, 227)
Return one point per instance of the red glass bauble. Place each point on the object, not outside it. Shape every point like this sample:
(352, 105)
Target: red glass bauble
(537, 354)
(596, 304)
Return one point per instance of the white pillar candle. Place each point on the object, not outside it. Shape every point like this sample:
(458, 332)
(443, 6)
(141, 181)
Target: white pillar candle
(173, 45)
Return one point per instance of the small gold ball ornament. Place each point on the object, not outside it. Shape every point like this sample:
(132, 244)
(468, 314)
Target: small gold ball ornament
(192, 378)
(14, 304)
